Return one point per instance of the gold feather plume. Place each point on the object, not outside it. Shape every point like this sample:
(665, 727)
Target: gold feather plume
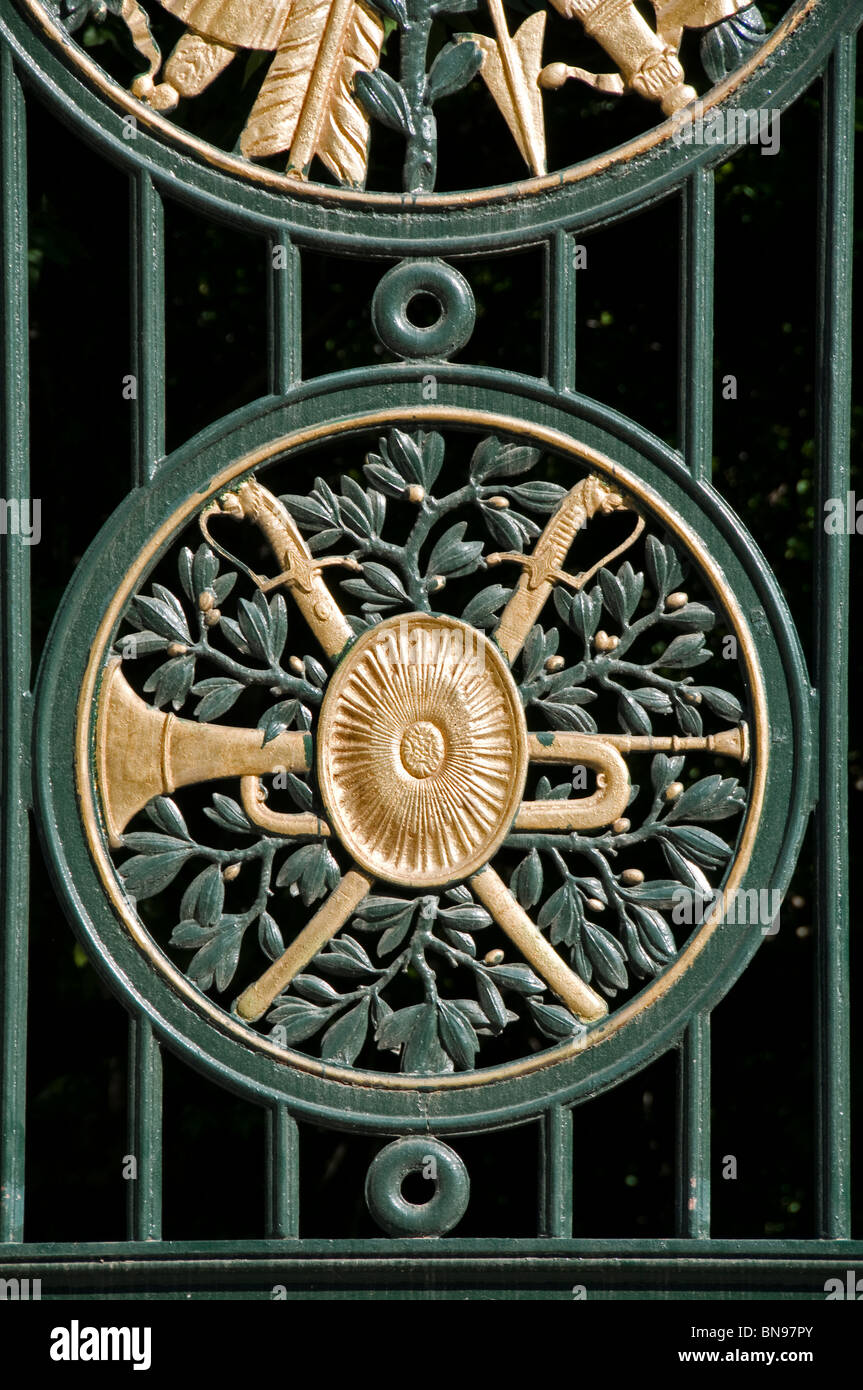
(307, 103)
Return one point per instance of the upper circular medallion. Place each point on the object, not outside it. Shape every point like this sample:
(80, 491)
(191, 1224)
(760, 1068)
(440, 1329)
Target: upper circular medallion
(310, 112)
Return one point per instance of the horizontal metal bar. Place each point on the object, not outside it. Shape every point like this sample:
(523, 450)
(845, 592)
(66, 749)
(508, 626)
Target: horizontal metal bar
(309, 1269)
(380, 1247)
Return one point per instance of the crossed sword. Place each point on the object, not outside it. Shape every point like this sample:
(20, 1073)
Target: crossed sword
(300, 572)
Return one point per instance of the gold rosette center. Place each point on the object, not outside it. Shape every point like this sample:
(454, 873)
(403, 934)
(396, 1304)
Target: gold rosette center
(422, 750)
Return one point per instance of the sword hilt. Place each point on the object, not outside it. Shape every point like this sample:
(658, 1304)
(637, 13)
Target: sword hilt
(543, 566)
(300, 571)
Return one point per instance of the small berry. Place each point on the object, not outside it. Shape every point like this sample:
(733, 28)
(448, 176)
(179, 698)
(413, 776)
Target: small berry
(230, 872)
(416, 492)
(554, 663)
(677, 600)
(621, 825)
(553, 75)
(206, 601)
(631, 877)
(673, 790)
(212, 618)
(493, 957)
(177, 649)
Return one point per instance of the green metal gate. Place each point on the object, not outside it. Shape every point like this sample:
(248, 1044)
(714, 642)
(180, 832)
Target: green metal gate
(513, 847)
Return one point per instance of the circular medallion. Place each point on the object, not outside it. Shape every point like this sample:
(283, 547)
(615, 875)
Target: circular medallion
(375, 814)
(422, 750)
(304, 115)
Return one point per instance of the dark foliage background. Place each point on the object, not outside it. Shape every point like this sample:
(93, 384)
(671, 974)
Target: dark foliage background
(627, 356)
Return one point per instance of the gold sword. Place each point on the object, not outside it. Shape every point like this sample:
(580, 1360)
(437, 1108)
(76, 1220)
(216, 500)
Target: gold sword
(328, 920)
(300, 570)
(542, 567)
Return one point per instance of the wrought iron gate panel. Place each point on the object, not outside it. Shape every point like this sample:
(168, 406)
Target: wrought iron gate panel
(58, 764)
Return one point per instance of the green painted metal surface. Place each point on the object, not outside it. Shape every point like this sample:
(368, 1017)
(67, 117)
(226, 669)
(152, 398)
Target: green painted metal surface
(805, 720)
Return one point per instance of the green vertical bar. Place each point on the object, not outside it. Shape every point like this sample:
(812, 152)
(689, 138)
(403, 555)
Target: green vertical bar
(283, 1173)
(695, 399)
(15, 656)
(833, 436)
(555, 1173)
(693, 1131)
(559, 345)
(147, 268)
(144, 1192)
(284, 313)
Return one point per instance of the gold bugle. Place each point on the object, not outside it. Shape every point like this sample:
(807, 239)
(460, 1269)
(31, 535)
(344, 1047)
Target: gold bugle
(603, 752)
(583, 748)
(600, 807)
(254, 799)
(143, 752)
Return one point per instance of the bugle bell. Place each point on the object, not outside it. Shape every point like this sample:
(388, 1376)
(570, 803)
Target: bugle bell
(143, 752)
